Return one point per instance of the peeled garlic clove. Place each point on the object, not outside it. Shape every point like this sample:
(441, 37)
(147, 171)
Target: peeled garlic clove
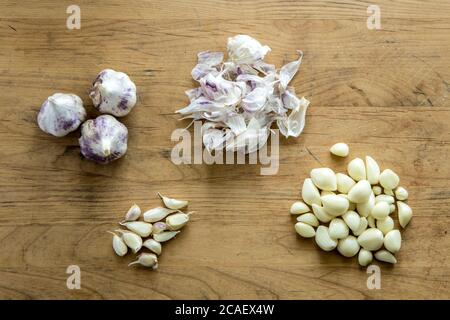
(146, 260)
(389, 179)
(321, 214)
(165, 235)
(143, 229)
(310, 194)
(177, 221)
(325, 193)
(360, 192)
(323, 239)
(404, 213)
(384, 198)
(340, 149)
(356, 169)
(159, 227)
(119, 246)
(157, 214)
(377, 190)
(388, 192)
(324, 179)
(371, 239)
(335, 205)
(371, 222)
(133, 213)
(344, 182)
(173, 203)
(113, 92)
(391, 208)
(103, 139)
(365, 208)
(401, 194)
(308, 218)
(132, 240)
(153, 245)
(348, 247)
(60, 114)
(380, 210)
(352, 220)
(299, 207)
(393, 241)
(365, 257)
(385, 256)
(305, 230)
(362, 226)
(373, 170)
(338, 229)
(385, 225)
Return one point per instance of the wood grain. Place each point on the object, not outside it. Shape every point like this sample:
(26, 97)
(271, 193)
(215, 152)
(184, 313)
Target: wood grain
(385, 93)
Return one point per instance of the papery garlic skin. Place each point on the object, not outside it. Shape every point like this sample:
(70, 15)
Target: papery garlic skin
(113, 92)
(103, 139)
(61, 114)
(243, 49)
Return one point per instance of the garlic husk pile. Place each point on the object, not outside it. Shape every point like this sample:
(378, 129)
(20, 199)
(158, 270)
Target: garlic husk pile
(151, 232)
(352, 212)
(61, 114)
(113, 92)
(103, 139)
(241, 98)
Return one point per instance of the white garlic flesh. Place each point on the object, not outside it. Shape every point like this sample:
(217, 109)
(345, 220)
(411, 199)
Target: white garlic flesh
(323, 239)
(393, 241)
(310, 193)
(389, 179)
(335, 205)
(365, 208)
(360, 192)
(61, 114)
(401, 194)
(385, 225)
(385, 256)
(381, 210)
(338, 229)
(340, 149)
(348, 246)
(371, 239)
(372, 170)
(159, 227)
(356, 169)
(324, 179)
(404, 213)
(305, 230)
(299, 207)
(365, 257)
(308, 218)
(321, 214)
(344, 182)
(352, 219)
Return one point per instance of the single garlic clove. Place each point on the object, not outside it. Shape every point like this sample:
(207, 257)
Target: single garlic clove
(133, 213)
(157, 214)
(385, 256)
(153, 245)
(308, 218)
(323, 239)
(340, 149)
(119, 246)
(299, 207)
(380, 210)
(348, 247)
(365, 257)
(147, 260)
(310, 193)
(305, 230)
(177, 220)
(324, 193)
(362, 226)
(143, 229)
(60, 114)
(401, 194)
(321, 214)
(113, 92)
(360, 192)
(159, 227)
(385, 225)
(373, 170)
(393, 241)
(338, 229)
(365, 208)
(388, 192)
(356, 169)
(173, 203)
(335, 205)
(371, 239)
(371, 222)
(391, 208)
(404, 213)
(165, 235)
(132, 240)
(352, 219)
(384, 198)
(344, 182)
(389, 179)
(324, 179)
(377, 190)
(103, 139)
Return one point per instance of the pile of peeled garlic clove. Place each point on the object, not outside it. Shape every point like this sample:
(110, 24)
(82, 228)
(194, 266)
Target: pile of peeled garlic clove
(352, 212)
(160, 224)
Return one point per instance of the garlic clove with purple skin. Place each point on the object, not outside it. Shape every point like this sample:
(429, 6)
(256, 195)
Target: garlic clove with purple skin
(103, 139)
(61, 113)
(113, 92)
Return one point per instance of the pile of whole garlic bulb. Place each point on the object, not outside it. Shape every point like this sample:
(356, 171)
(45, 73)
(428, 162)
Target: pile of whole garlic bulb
(103, 139)
(153, 228)
(354, 210)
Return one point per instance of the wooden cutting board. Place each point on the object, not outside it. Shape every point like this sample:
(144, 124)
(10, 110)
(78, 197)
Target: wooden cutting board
(384, 92)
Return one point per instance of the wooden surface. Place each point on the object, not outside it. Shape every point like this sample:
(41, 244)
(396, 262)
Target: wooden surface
(385, 93)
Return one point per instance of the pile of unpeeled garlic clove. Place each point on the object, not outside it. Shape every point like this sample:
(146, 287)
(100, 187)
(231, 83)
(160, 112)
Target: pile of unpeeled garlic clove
(160, 224)
(354, 210)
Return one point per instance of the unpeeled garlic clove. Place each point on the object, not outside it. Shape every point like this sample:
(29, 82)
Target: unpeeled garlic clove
(365, 208)
(157, 214)
(344, 182)
(132, 240)
(356, 169)
(401, 194)
(389, 179)
(177, 220)
(147, 260)
(321, 214)
(360, 192)
(305, 230)
(380, 210)
(348, 247)
(173, 203)
(335, 205)
(324, 179)
(308, 218)
(385, 256)
(153, 245)
(362, 226)
(384, 198)
(385, 225)
(373, 170)
(323, 239)
(299, 207)
(340, 149)
(365, 257)
(352, 220)
(159, 227)
(310, 193)
(133, 213)
(142, 229)
(371, 239)
(165, 236)
(393, 241)
(338, 229)
(404, 213)
(119, 246)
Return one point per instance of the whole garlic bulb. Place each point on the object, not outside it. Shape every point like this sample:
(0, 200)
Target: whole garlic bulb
(61, 113)
(113, 92)
(103, 139)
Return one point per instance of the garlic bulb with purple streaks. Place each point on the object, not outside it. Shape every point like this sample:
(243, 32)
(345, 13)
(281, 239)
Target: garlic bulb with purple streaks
(103, 139)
